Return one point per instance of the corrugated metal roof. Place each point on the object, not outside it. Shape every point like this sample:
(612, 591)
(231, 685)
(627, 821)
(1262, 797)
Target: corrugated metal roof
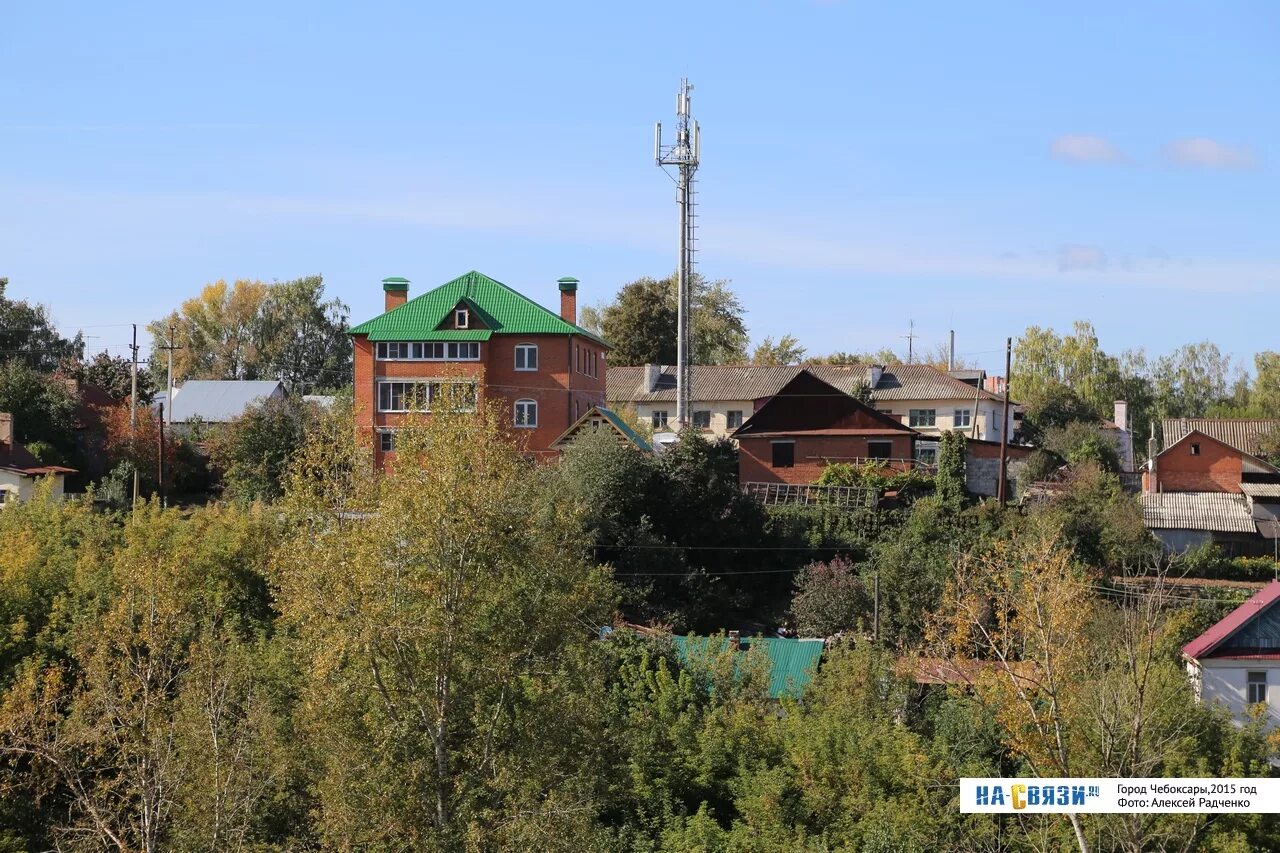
(792, 663)
(1240, 433)
(728, 382)
(504, 310)
(1212, 511)
(1261, 490)
(1224, 628)
(219, 401)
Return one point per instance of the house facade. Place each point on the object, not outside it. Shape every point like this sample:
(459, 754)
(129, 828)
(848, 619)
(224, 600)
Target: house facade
(475, 341)
(20, 471)
(723, 397)
(1236, 663)
(809, 424)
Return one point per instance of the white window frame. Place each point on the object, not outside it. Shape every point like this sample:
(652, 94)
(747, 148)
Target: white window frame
(962, 418)
(930, 448)
(427, 351)
(385, 437)
(461, 318)
(931, 415)
(526, 350)
(521, 421)
(666, 419)
(432, 386)
(1252, 687)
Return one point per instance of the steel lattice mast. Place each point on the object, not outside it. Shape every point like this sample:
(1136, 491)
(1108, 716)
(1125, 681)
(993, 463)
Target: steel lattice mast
(683, 155)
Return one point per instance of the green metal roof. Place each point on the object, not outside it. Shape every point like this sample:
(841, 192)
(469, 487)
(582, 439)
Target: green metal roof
(792, 663)
(625, 428)
(505, 311)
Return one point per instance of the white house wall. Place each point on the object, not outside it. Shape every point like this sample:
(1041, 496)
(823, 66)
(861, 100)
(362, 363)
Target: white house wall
(1225, 681)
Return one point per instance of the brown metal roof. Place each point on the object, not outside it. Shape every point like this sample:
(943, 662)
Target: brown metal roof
(721, 382)
(1240, 433)
(1217, 512)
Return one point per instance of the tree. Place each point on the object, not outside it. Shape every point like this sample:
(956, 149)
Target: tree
(440, 618)
(27, 335)
(786, 351)
(115, 375)
(1053, 405)
(254, 451)
(949, 481)
(1079, 441)
(254, 330)
(42, 406)
(1264, 395)
(641, 322)
(1191, 379)
(882, 356)
(1042, 359)
(830, 597)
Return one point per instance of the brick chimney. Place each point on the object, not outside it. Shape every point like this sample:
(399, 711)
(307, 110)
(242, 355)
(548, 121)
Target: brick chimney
(395, 291)
(569, 299)
(6, 429)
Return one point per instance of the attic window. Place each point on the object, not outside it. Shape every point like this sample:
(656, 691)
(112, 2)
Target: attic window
(1195, 449)
(461, 318)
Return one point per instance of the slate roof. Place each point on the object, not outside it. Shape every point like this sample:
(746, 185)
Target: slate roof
(1224, 628)
(503, 310)
(792, 663)
(219, 401)
(728, 382)
(1212, 511)
(1240, 433)
(1261, 490)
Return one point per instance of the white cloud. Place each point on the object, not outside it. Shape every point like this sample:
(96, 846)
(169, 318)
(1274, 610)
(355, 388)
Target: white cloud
(1207, 153)
(1082, 148)
(1077, 257)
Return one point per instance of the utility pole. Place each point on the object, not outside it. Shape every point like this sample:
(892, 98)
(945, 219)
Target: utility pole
(133, 410)
(875, 606)
(1004, 426)
(911, 341)
(683, 155)
(160, 459)
(170, 348)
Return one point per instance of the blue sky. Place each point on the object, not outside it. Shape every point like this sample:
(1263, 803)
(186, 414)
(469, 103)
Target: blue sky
(980, 167)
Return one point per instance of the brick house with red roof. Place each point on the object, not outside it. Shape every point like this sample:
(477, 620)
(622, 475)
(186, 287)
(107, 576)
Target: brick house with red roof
(1237, 661)
(808, 424)
(474, 340)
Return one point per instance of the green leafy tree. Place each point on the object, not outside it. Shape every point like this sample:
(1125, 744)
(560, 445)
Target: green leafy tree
(441, 617)
(830, 597)
(27, 335)
(949, 481)
(114, 373)
(1190, 380)
(787, 350)
(42, 406)
(254, 451)
(1080, 441)
(641, 322)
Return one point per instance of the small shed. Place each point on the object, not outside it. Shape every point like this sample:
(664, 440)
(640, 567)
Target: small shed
(792, 663)
(596, 418)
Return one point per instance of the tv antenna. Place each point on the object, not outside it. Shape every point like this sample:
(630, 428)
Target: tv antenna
(911, 341)
(683, 156)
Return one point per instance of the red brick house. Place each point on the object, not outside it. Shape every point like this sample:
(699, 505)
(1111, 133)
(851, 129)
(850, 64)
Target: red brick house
(1198, 462)
(809, 423)
(485, 341)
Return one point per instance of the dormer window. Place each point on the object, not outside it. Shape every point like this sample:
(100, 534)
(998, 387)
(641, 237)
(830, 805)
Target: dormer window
(461, 318)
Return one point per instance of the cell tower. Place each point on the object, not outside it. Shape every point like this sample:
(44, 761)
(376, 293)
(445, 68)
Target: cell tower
(683, 155)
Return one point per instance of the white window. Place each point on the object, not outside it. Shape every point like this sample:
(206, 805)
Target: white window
(962, 418)
(923, 417)
(526, 357)
(702, 419)
(526, 413)
(461, 318)
(733, 419)
(659, 420)
(1257, 687)
(386, 441)
(417, 395)
(927, 454)
(428, 351)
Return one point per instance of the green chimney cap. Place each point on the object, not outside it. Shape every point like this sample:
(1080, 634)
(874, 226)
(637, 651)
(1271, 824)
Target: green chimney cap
(395, 283)
(568, 284)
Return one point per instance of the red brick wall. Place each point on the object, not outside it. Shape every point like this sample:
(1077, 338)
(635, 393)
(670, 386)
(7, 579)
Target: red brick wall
(755, 456)
(1216, 469)
(557, 385)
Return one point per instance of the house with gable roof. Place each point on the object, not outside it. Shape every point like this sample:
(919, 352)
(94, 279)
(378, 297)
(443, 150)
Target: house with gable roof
(474, 340)
(809, 424)
(1237, 661)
